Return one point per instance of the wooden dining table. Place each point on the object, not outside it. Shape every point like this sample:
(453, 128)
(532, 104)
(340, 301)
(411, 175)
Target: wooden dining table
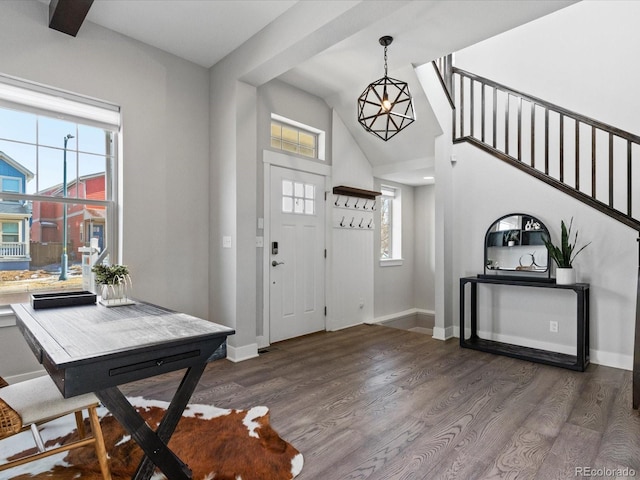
(93, 348)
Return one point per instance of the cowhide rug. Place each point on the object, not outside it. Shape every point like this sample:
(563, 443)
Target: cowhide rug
(217, 444)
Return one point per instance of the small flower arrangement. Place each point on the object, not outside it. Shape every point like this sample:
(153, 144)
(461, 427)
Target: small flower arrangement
(110, 274)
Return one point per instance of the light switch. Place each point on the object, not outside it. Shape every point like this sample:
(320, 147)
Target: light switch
(226, 242)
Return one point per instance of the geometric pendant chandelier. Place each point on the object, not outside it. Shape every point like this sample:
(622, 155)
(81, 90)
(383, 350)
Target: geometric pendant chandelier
(386, 107)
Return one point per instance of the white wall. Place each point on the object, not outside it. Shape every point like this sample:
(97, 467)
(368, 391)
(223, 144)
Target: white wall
(609, 264)
(425, 253)
(350, 270)
(165, 142)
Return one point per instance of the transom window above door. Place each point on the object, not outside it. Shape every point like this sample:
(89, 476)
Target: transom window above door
(297, 138)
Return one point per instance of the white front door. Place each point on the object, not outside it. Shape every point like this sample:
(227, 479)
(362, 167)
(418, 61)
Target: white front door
(296, 254)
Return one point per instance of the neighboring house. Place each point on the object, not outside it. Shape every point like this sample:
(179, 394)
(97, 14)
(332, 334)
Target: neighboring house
(83, 222)
(14, 216)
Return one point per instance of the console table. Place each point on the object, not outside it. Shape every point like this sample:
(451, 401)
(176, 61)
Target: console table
(94, 349)
(577, 362)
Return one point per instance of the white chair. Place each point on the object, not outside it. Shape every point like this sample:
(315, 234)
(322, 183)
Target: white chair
(26, 405)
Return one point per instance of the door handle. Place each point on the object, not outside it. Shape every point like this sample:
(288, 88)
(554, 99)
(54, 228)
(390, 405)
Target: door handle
(275, 264)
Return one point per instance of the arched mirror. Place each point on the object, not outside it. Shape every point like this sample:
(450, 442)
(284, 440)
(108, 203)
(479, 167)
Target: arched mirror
(514, 246)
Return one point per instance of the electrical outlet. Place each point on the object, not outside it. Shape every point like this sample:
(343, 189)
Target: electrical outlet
(553, 326)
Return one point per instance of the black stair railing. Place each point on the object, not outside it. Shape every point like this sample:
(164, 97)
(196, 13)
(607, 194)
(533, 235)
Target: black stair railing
(583, 157)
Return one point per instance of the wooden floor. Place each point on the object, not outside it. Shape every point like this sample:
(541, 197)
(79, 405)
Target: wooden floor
(373, 402)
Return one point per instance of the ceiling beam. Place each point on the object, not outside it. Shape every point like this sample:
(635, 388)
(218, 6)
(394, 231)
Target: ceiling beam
(67, 16)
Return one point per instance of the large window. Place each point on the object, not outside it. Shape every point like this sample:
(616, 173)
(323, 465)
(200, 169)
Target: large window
(58, 181)
(390, 227)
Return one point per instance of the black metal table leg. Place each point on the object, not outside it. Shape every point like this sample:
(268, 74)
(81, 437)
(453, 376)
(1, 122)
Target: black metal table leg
(172, 416)
(154, 444)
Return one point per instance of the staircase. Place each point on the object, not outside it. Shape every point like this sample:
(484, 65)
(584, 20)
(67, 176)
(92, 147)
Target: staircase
(582, 157)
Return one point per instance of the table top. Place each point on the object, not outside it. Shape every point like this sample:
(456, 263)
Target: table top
(79, 334)
(523, 281)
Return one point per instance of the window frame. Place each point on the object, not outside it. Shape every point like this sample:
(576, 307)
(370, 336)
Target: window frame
(392, 196)
(42, 101)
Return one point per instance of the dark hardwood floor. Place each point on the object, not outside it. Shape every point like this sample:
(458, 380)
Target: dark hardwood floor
(373, 402)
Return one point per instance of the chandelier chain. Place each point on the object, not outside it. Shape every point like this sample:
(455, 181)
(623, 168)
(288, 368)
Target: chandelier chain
(385, 61)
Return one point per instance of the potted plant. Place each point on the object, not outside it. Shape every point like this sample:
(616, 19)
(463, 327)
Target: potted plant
(513, 237)
(114, 280)
(565, 254)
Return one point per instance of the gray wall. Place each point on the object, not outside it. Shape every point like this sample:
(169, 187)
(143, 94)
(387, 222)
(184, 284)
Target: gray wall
(165, 147)
(425, 257)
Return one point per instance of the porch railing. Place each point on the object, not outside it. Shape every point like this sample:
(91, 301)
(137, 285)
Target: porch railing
(13, 249)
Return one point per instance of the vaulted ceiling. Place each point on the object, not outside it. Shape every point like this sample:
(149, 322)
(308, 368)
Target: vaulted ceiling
(338, 69)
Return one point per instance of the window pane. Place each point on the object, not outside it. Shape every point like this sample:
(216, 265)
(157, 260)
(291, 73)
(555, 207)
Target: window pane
(307, 140)
(52, 132)
(24, 158)
(289, 135)
(19, 126)
(299, 190)
(309, 191)
(276, 130)
(309, 207)
(10, 228)
(299, 206)
(287, 187)
(288, 147)
(92, 181)
(287, 204)
(275, 143)
(11, 185)
(51, 168)
(307, 152)
(94, 140)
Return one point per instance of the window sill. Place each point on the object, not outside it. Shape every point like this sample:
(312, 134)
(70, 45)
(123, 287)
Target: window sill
(392, 262)
(7, 318)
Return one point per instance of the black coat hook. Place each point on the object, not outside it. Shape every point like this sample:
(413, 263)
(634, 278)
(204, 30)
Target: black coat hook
(346, 204)
(364, 207)
(352, 219)
(337, 198)
(361, 220)
(356, 205)
(342, 222)
(370, 222)
(373, 207)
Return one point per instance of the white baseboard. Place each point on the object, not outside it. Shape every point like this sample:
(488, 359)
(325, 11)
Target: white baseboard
(342, 327)
(440, 333)
(597, 357)
(239, 354)
(610, 359)
(395, 316)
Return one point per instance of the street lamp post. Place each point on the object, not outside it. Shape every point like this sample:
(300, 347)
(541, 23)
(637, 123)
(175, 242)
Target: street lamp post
(64, 258)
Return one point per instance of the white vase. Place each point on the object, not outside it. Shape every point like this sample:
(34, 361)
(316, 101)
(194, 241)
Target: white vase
(565, 276)
(113, 292)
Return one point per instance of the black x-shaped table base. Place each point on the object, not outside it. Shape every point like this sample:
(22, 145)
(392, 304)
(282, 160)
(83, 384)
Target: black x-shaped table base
(154, 444)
